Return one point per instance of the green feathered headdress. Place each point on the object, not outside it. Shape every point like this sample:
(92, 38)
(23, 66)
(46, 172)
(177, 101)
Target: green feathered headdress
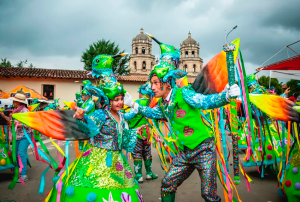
(113, 89)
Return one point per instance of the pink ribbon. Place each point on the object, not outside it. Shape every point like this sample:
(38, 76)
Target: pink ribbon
(246, 109)
(20, 170)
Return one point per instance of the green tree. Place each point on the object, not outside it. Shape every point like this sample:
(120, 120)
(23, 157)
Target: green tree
(264, 81)
(5, 63)
(31, 66)
(294, 88)
(120, 65)
(21, 63)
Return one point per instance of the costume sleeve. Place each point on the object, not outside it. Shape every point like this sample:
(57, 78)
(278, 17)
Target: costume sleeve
(129, 137)
(129, 115)
(90, 106)
(152, 113)
(93, 123)
(201, 101)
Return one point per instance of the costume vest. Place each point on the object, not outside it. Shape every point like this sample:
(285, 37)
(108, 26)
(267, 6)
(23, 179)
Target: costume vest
(187, 124)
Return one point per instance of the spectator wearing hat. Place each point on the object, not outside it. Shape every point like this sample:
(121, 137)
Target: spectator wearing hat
(20, 104)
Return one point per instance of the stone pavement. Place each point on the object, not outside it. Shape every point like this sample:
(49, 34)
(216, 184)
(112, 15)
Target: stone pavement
(262, 190)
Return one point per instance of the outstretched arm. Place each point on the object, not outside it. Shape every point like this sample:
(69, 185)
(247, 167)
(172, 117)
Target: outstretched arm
(129, 115)
(201, 101)
(152, 113)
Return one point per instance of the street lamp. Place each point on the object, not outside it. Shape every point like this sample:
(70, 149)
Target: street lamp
(229, 33)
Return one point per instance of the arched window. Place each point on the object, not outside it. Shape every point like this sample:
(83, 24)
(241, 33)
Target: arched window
(136, 50)
(135, 68)
(144, 65)
(149, 50)
(194, 68)
(143, 50)
(186, 54)
(193, 54)
(185, 68)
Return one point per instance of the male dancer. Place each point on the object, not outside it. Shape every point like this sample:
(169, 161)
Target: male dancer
(181, 107)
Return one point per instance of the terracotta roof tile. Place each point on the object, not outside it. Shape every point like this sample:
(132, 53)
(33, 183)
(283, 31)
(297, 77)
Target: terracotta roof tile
(62, 74)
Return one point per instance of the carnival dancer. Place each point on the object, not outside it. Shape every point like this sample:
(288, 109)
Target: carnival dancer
(101, 172)
(78, 100)
(88, 104)
(197, 148)
(142, 149)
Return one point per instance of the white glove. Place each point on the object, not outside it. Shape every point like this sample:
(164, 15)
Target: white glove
(128, 100)
(233, 92)
(227, 88)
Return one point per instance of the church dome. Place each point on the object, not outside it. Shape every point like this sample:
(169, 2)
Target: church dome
(141, 36)
(189, 40)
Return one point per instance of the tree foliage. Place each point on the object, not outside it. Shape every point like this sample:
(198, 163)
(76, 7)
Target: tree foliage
(264, 81)
(21, 63)
(5, 63)
(294, 87)
(31, 66)
(120, 65)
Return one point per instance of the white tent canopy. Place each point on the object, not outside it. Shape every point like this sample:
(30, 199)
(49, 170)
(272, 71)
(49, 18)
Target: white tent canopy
(286, 74)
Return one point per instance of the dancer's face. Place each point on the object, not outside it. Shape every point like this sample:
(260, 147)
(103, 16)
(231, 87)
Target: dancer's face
(157, 88)
(85, 97)
(117, 103)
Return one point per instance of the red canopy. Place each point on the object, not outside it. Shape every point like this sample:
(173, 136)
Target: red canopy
(287, 64)
(288, 68)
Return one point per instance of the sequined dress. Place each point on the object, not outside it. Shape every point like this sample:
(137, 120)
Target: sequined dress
(102, 173)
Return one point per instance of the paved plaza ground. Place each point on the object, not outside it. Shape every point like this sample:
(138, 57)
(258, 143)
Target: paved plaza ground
(262, 190)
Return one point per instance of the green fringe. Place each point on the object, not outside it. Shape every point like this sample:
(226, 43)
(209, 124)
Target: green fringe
(117, 178)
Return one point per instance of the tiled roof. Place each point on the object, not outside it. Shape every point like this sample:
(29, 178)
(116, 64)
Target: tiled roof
(46, 73)
(62, 74)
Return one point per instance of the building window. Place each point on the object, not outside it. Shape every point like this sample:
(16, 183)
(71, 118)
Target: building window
(81, 87)
(143, 50)
(193, 54)
(152, 66)
(186, 54)
(48, 91)
(135, 66)
(144, 65)
(136, 50)
(185, 68)
(194, 68)
(149, 50)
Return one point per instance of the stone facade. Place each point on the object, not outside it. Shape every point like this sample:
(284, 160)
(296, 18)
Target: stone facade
(142, 61)
(190, 60)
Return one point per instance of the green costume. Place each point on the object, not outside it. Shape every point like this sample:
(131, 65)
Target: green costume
(142, 149)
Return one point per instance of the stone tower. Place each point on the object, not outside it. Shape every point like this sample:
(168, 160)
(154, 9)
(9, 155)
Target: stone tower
(190, 60)
(141, 60)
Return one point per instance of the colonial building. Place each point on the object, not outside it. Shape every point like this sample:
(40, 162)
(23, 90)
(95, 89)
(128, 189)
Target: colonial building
(63, 84)
(57, 83)
(142, 61)
(190, 60)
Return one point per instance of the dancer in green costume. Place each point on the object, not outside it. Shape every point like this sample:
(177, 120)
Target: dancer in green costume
(103, 173)
(142, 149)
